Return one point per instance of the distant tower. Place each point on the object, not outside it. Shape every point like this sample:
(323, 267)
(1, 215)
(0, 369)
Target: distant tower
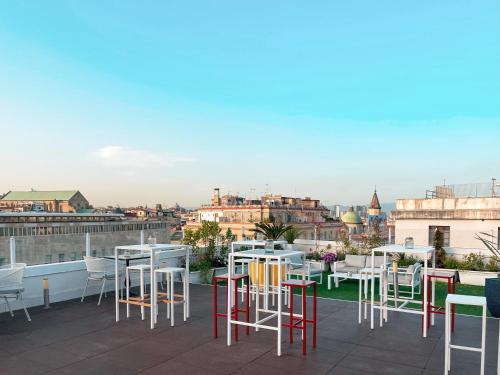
(216, 199)
(375, 209)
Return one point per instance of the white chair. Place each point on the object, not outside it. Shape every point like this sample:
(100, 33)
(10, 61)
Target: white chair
(98, 269)
(170, 296)
(408, 277)
(305, 271)
(11, 285)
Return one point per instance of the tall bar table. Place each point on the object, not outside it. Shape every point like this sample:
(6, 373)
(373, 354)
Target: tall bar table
(149, 251)
(422, 251)
(279, 257)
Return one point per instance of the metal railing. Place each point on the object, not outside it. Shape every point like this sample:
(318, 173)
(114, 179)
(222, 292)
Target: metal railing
(473, 190)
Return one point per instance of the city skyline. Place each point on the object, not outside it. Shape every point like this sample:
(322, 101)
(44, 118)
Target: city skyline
(141, 105)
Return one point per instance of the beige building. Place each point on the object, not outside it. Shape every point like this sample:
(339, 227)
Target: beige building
(459, 219)
(240, 215)
(47, 201)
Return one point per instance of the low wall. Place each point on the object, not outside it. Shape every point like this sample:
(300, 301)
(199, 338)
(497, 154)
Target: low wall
(66, 281)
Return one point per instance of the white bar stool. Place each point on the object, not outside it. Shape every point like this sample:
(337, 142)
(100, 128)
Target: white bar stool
(170, 299)
(458, 299)
(142, 269)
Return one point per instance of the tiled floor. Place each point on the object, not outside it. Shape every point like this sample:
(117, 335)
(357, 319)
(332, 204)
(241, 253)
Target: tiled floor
(83, 338)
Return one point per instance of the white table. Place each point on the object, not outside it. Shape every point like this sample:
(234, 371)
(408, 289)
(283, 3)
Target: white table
(149, 251)
(254, 244)
(279, 257)
(422, 251)
(344, 275)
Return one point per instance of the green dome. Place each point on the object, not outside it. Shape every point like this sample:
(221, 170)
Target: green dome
(351, 217)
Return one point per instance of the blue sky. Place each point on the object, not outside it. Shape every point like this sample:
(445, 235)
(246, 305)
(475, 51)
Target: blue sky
(162, 101)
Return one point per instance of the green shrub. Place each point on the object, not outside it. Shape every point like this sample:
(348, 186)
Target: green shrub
(405, 261)
(452, 263)
(493, 265)
(473, 262)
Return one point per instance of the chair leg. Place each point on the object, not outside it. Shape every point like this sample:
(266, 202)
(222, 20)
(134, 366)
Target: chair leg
(102, 290)
(85, 289)
(127, 290)
(155, 294)
(8, 306)
(184, 290)
(172, 298)
(142, 293)
(24, 307)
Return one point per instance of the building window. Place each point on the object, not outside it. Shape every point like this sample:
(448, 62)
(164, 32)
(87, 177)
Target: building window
(94, 253)
(444, 230)
(73, 256)
(61, 257)
(48, 259)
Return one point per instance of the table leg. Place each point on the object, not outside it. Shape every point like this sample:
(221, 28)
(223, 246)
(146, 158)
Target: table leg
(291, 315)
(433, 303)
(236, 309)
(228, 296)
(314, 315)
(483, 340)
(453, 313)
(360, 299)
(280, 306)
(257, 290)
(247, 314)
(372, 310)
(425, 298)
(304, 319)
(117, 303)
(215, 308)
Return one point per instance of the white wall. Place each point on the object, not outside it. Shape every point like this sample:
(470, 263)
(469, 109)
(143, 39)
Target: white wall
(462, 233)
(66, 281)
(306, 245)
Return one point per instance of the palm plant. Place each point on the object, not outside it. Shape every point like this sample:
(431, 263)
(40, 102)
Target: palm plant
(490, 242)
(272, 230)
(292, 234)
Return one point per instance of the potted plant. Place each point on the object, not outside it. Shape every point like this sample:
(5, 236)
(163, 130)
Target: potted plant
(291, 235)
(328, 259)
(316, 258)
(271, 230)
(492, 285)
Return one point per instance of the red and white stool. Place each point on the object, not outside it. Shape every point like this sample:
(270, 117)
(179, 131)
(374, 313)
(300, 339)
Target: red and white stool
(300, 321)
(235, 310)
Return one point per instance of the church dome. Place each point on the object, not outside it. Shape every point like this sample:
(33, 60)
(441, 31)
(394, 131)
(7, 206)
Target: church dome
(351, 217)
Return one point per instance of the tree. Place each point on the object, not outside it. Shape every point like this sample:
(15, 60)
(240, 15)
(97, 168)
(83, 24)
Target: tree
(292, 234)
(438, 243)
(271, 230)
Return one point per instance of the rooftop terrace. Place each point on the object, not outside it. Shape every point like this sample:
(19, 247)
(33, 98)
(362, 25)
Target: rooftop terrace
(83, 338)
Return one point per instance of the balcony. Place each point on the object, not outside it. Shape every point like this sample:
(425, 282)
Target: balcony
(73, 337)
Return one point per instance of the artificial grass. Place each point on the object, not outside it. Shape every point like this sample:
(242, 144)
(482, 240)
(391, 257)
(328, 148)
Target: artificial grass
(348, 290)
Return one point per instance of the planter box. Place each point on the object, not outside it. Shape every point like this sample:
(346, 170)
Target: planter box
(475, 277)
(195, 277)
(472, 277)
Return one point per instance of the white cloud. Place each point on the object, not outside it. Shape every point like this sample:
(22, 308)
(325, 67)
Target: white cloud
(122, 157)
